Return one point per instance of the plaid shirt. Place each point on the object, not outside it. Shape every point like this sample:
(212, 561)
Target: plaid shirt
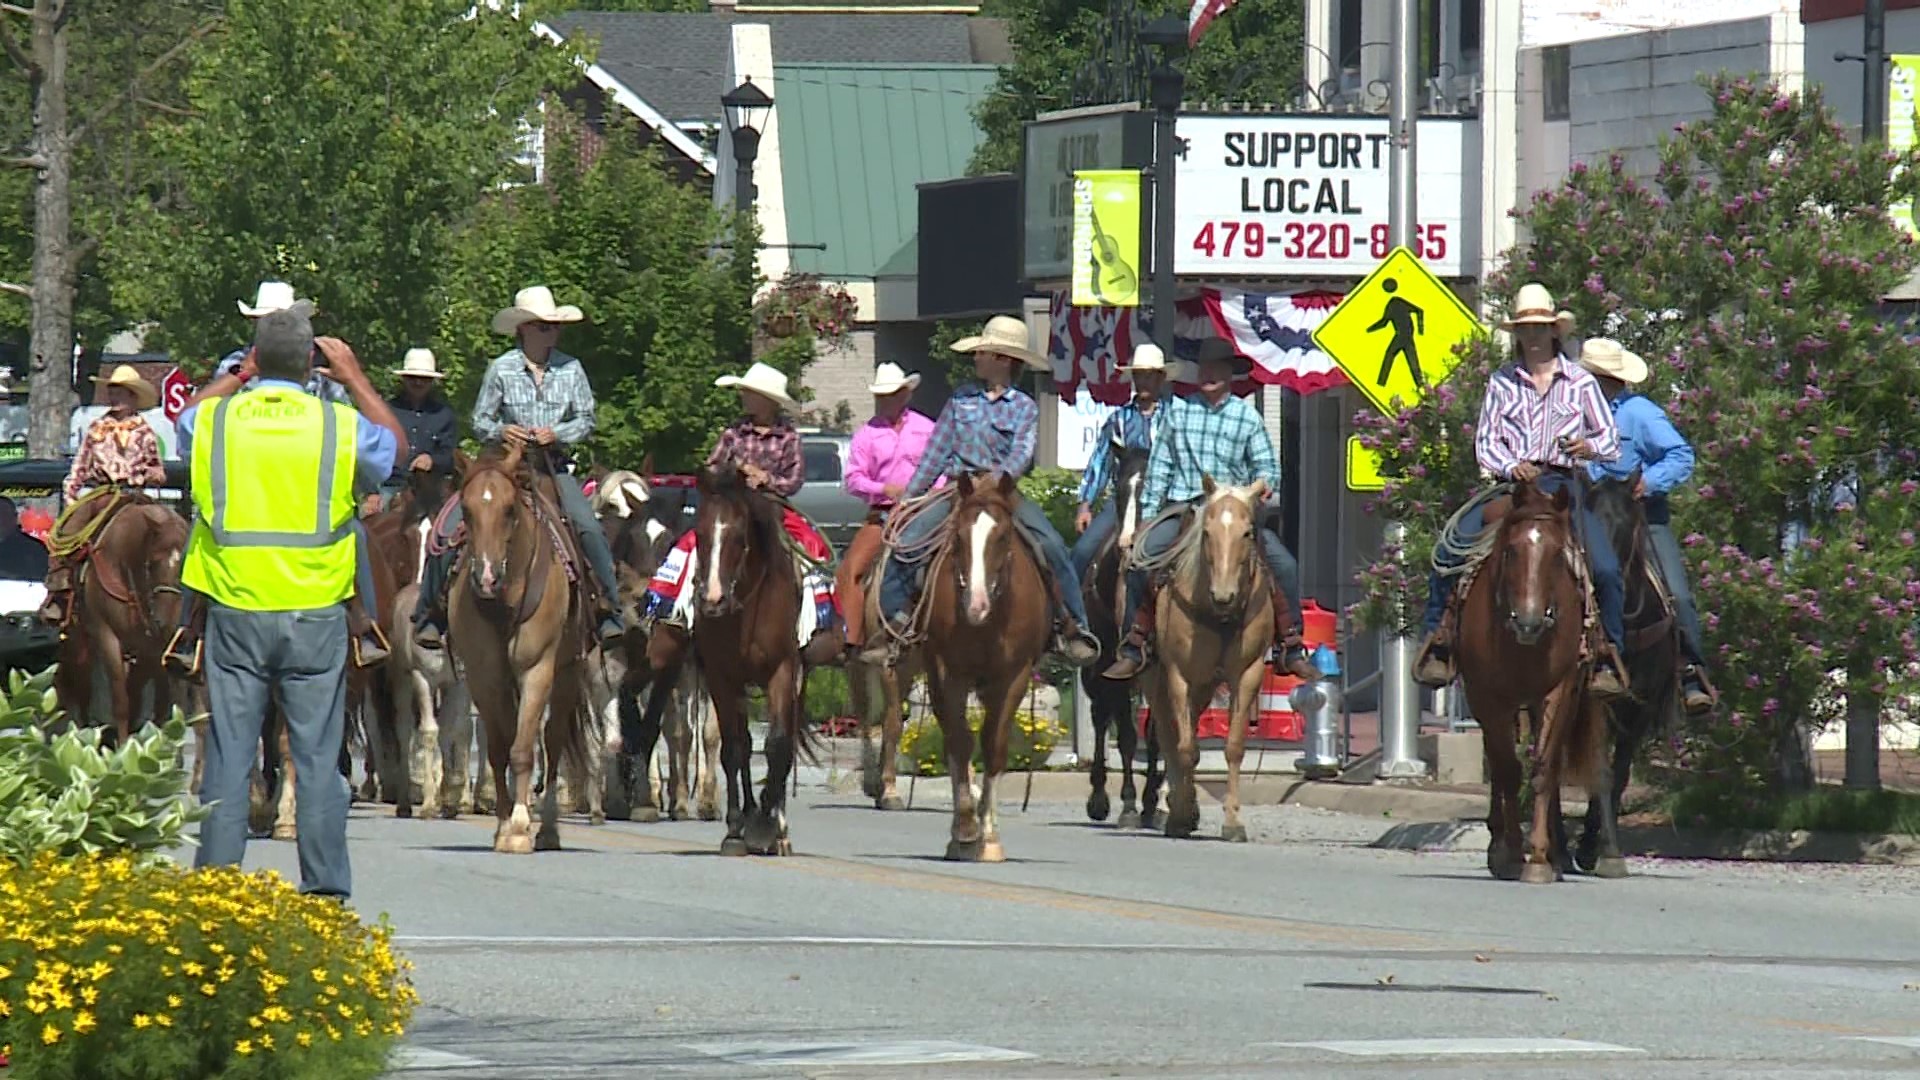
(1127, 429)
(1518, 423)
(1193, 440)
(977, 433)
(563, 400)
(777, 450)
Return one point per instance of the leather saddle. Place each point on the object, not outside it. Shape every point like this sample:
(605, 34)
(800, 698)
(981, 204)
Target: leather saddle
(83, 523)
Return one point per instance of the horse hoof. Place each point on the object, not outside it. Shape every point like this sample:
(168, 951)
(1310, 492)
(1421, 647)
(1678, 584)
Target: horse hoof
(965, 850)
(680, 814)
(513, 844)
(872, 789)
(1234, 833)
(449, 812)
(285, 832)
(991, 851)
(403, 811)
(892, 802)
(709, 813)
(547, 840)
(778, 847)
(1099, 807)
(1129, 819)
(1539, 874)
(596, 818)
(733, 845)
(1612, 867)
(646, 815)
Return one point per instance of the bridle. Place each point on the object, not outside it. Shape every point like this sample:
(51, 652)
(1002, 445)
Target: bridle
(1502, 596)
(733, 598)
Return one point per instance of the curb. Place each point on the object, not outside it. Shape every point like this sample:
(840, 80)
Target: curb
(1731, 845)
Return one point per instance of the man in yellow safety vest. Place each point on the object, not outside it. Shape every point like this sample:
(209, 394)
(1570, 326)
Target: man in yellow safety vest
(277, 474)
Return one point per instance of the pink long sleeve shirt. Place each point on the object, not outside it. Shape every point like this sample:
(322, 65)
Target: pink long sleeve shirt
(883, 454)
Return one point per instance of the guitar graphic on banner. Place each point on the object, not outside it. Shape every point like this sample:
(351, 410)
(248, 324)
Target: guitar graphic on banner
(1113, 279)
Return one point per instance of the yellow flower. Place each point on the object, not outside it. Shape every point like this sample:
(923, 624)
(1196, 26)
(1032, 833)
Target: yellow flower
(49, 1035)
(5, 973)
(82, 1022)
(192, 969)
(142, 1020)
(243, 1047)
(266, 1041)
(304, 1038)
(163, 1019)
(174, 1001)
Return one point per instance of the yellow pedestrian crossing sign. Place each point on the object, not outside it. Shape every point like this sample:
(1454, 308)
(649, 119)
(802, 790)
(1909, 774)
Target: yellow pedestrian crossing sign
(1363, 467)
(1395, 333)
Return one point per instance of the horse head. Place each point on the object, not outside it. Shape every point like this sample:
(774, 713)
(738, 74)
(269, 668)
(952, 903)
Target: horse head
(1620, 511)
(1229, 550)
(983, 526)
(490, 499)
(736, 528)
(1535, 550)
(1129, 482)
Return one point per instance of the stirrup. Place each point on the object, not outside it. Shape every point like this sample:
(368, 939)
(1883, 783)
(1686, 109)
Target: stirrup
(370, 646)
(184, 665)
(1433, 664)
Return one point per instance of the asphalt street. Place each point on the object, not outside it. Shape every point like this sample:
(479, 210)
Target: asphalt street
(639, 951)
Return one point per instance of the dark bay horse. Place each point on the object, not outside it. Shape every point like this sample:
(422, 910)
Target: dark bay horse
(989, 621)
(1653, 670)
(1105, 589)
(747, 609)
(1521, 654)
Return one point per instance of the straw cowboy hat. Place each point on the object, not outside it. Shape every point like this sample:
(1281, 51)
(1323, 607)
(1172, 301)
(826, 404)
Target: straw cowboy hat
(891, 379)
(1534, 306)
(766, 381)
(1146, 357)
(1005, 335)
(272, 296)
(534, 304)
(420, 364)
(1605, 356)
(145, 394)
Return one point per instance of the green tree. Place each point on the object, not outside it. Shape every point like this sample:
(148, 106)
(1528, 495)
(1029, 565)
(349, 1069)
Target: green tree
(1749, 272)
(667, 306)
(1251, 53)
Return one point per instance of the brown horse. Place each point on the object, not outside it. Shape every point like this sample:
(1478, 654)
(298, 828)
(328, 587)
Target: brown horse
(1105, 590)
(1215, 618)
(989, 621)
(126, 601)
(1520, 652)
(518, 629)
(879, 696)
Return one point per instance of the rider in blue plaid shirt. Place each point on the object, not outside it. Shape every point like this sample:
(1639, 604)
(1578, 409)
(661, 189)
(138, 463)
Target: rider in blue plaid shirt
(1212, 434)
(1129, 428)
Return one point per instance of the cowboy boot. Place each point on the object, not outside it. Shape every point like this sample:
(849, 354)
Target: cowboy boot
(1433, 665)
(1132, 655)
(1609, 679)
(59, 593)
(1698, 696)
(368, 644)
(1074, 645)
(828, 645)
(1289, 654)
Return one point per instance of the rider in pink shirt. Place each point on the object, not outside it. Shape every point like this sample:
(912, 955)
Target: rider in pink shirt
(880, 464)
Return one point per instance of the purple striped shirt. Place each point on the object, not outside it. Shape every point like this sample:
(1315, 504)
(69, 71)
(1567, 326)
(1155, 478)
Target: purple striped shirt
(1518, 423)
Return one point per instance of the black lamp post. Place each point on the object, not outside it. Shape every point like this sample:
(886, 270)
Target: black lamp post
(746, 108)
(1167, 85)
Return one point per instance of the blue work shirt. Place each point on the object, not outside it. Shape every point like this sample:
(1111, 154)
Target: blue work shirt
(1650, 443)
(374, 450)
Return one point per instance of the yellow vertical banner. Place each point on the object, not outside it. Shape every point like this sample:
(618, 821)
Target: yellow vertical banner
(1903, 87)
(1106, 238)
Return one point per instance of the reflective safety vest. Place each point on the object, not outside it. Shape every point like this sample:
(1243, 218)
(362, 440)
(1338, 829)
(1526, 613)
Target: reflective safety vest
(273, 498)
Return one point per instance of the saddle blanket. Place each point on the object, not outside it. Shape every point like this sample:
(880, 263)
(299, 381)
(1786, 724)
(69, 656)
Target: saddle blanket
(812, 582)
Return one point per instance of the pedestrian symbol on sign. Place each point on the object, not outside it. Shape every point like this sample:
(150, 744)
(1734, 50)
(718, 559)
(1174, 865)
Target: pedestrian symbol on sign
(1400, 312)
(1402, 316)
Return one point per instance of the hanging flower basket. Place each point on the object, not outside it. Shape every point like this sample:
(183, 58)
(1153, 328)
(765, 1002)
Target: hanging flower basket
(782, 325)
(802, 303)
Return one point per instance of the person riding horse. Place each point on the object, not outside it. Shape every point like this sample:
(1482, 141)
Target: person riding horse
(120, 451)
(433, 433)
(1130, 427)
(765, 446)
(1653, 448)
(1212, 434)
(1543, 417)
(985, 428)
(881, 460)
(538, 397)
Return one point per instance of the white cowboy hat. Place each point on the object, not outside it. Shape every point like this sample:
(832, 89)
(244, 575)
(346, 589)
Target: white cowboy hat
(1534, 306)
(1146, 357)
(764, 380)
(420, 364)
(272, 296)
(891, 379)
(1605, 356)
(1005, 335)
(145, 394)
(534, 304)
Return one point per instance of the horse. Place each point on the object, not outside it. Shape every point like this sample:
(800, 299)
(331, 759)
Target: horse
(1215, 620)
(1105, 589)
(519, 629)
(989, 620)
(1520, 651)
(1653, 669)
(878, 694)
(747, 609)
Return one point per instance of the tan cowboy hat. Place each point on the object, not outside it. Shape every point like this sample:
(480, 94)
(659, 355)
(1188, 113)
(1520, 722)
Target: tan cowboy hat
(1605, 356)
(769, 382)
(419, 364)
(1534, 306)
(145, 394)
(1146, 357)
(1005, 335)
(891, 379)
(534, 304)
(272, 296)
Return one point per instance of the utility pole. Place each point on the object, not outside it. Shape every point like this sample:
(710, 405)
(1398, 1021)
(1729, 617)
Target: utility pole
(1399, 697)
(1873, 84)
(1167, 85)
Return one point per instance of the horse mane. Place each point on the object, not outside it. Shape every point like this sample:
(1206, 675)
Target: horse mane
(1186, 553)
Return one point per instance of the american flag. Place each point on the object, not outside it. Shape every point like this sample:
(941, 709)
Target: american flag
(1200, 15)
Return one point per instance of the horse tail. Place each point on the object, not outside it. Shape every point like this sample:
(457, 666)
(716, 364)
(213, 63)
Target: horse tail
(805, 743)
(1583, 751)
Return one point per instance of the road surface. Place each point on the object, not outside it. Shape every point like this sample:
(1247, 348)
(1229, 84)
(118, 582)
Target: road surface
(640, 952)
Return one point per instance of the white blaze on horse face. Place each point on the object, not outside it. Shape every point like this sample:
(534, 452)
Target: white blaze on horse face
(1533, 535)
(979, 602)
(655, 531)
(1131, 520)
(716, 587)
(486, 495)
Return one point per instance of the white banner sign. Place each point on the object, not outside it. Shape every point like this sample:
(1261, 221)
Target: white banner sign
(1306, 196)
(1079, 427)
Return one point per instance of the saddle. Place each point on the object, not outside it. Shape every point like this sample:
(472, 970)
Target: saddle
(73, 537)
(540, 497)
(924, 557)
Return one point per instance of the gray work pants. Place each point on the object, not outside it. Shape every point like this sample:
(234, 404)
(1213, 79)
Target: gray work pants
(298, 659)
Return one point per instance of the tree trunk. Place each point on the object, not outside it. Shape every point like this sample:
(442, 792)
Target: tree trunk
(1793, 770)
(50, 368)
(1863, 729)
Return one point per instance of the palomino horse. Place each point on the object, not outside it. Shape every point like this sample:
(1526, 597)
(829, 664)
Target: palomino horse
(1106, 595)
(1215, 619)
(989, 620)
(1653, 671)
(126, 601)
(744, 635)
(1519, 649)
(519, 631)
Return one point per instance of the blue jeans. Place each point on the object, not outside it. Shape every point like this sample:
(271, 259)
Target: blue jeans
(1602, 563)
(1666, 556)
(1105, 523)
(1158, 539)
(897, 588)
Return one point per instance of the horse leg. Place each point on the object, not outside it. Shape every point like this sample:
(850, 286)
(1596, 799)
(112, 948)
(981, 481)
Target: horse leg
(1126, 737)
(1156, 777)
(1245, 694)
(861, 681)
(113, 660)
(536, 687)
(563, 704)
(680, 759)
(1183, 701)
(1500, 727)
(736, 747)
(284, 823)
(893, 684)
(646, 729)
(766, 832)
(950, 706)
(1098, 805)
(396, 755)
(996, 729)
(1609, 790)
(1539, 866)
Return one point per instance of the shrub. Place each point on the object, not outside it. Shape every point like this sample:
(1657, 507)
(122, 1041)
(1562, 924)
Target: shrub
(1031, 743)
(117, 968)
(67, 795)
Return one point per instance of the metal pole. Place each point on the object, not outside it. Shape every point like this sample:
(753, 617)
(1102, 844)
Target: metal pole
(1863, 707)
(1873, 89)
(1399, 697)
(1167, 89)
(746, 148)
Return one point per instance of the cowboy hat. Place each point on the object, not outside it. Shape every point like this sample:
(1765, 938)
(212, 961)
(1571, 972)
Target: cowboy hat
(1146, 357)
(1534, 306)
(534, 304)
(891, 379)
(145, 394)
(272, 296)
(1605, 356)
(1005, 335)
(419, 364)
(1215, 348)
(764, 380)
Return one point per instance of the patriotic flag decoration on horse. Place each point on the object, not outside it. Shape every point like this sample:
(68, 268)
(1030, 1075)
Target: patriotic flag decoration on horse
(1201, 14)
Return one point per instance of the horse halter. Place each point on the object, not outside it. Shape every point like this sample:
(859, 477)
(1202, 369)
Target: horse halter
(1533, 535)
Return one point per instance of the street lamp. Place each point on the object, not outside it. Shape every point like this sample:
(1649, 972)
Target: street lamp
(1167, 85)
(746, 108)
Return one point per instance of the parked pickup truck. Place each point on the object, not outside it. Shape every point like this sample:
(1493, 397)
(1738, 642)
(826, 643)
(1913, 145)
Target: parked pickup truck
(823, 496)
